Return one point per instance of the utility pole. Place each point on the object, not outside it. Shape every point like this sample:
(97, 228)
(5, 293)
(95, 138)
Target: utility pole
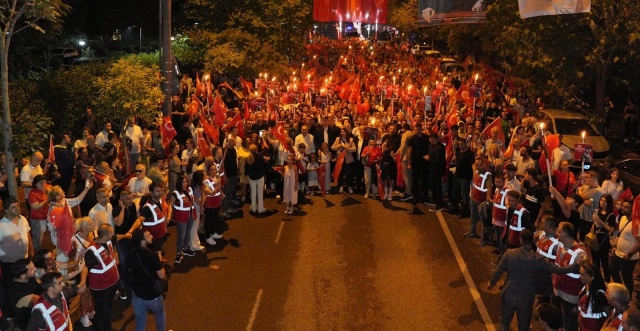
(167, 63)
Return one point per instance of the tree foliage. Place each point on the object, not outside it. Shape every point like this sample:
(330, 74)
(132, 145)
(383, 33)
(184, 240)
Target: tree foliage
(67, 93)
(403, 15)
(570, 56)
(245, 37)
(31, 122)
(128, 88)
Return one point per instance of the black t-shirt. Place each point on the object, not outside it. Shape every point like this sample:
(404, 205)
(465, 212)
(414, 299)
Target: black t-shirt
(231, 163)
(419, 146)
(574, 218)
(130, 216)
(17, 291)
(393, 141)
(256, 170)
(533, 199)
(143, 265)
(464, 164)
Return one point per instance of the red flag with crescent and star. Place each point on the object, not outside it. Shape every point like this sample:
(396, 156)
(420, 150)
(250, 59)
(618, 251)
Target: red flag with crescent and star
(322, 179)
(168, 132)
(278, 132)
(211, 131)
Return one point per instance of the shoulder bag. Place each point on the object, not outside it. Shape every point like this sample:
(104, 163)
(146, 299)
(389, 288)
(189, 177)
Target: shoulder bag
(160, 284)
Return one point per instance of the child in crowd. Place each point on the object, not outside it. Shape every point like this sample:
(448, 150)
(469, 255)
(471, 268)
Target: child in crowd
(312, 174)
(303, 159)
(325, 160)
(290, 191)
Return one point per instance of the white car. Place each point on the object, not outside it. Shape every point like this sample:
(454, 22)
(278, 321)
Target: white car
(571, 124)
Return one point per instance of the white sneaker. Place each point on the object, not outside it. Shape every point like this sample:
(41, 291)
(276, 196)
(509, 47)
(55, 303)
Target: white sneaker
(341, 189)
(350, 191)
(390, 197)
(366, 195)
(216, 236)
(210, 241)
(85, 321)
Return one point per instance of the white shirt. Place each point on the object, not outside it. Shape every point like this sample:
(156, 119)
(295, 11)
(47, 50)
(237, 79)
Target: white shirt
(102, 138)
(139, 186)
(14, 239)
(308, 141)
(101, 214)
(80, 143)
(626, 240)
(135, 134)
(612, 189)
(27, 174)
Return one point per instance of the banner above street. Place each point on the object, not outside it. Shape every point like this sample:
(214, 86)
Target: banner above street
(533, 8)
(362, 11)
(441, 12)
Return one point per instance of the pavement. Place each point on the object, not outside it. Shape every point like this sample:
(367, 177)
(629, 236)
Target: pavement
(340, 263)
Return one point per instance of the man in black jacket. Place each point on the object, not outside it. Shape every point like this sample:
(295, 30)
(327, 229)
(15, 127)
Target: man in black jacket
(326, 133)
(65, 162)
(437, 166)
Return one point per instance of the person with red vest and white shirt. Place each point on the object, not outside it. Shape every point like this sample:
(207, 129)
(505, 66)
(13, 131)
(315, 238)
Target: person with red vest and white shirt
(181, 210)
(152, 217)
(102, 275)
(546, 246)
(481, 190)
(567, 287)
(212, 190)
(518, 219)
(499, 210)
(618, 298)
(51, 311)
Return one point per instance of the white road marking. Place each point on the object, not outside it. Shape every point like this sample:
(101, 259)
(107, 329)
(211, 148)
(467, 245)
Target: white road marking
(279, 233)
(467, 276)
(254, 311)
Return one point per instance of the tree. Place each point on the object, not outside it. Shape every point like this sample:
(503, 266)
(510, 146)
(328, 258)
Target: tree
(31, 122)
(404, 15)
(16, 16)
(129, 88)
(593, 47)
(246, 37)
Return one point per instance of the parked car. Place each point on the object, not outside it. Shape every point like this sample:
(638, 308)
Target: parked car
(629, 170)
(433, 53)
(449, 69)
(65, 52)
(446, 60)
(571, 125)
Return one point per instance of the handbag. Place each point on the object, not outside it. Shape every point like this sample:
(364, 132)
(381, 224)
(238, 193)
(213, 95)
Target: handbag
(161, 284)
(591, 240)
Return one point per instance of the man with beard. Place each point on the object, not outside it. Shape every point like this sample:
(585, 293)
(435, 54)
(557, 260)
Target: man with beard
(145, 268)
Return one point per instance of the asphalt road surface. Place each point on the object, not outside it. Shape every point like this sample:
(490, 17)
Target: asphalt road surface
(340, 263)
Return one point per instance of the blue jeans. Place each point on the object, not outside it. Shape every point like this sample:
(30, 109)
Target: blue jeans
(156, 306)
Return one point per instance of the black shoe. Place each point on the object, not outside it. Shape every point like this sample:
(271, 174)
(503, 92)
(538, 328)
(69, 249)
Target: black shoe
(178, 259)
(187, 252)
(471, 235)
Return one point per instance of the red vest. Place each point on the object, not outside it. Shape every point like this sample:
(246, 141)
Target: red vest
(547, 246)
(56, 320)
(615, 321)
(588, 320)
(183, 206)
(479, 187)
(515, 226)
(212, 201)
(499, 214)
(105, 274)
(569, 283)
(156, 224)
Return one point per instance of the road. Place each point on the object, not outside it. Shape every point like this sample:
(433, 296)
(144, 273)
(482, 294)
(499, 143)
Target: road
(340, 263)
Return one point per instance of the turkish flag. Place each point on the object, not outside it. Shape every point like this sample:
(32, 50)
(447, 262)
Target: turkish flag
(247, 86)
(218, 111)
(399, 178)
(322, 178)
(247, 114)
(380, 186)
(168, 132)
(635, 216)
(278, 132)
(52, 154)
(203, 145)
(339, 164)
(210, 130)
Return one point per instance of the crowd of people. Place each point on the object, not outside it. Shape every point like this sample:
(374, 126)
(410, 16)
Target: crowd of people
(381, 124)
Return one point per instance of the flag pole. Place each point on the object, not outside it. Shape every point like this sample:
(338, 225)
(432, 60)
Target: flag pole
(546, 152)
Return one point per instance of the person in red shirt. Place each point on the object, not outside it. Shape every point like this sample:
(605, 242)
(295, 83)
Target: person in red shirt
(39, 203)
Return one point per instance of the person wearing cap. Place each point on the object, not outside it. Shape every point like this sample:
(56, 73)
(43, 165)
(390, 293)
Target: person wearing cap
(39, 203)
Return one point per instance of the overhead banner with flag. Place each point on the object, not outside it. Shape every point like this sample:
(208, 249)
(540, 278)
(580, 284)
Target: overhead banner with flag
(533, 8)
(363, 11)
(439, 12)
